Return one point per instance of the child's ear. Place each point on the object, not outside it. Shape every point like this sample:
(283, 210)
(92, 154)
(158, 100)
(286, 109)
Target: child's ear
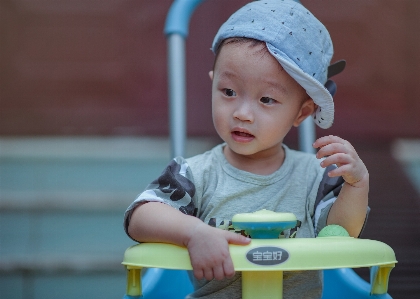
(308, 107)
(211, 75)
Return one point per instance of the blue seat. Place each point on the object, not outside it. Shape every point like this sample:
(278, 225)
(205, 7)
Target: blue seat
(162, 283)
(175, 284)
(346, 284)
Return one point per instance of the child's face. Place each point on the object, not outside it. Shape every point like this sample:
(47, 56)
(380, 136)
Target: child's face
(255, 102)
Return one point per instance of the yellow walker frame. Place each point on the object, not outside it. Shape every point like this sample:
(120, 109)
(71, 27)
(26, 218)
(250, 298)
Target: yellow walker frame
(263, 261)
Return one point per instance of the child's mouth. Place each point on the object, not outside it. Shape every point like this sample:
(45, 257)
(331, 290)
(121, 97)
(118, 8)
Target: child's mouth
(242, 134)
(242, 137)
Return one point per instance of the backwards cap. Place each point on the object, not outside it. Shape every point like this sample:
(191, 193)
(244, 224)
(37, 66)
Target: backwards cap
(298, 40)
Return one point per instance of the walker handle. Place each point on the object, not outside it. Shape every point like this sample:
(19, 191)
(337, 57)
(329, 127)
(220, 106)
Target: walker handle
(179, 16)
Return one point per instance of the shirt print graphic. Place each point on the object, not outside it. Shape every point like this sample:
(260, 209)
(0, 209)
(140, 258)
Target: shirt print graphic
(226, 224)
(173, 182)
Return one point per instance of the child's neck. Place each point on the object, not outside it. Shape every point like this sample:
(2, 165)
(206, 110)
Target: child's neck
(260, 163)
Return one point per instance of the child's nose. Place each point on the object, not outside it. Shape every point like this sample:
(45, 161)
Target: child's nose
(244, 112)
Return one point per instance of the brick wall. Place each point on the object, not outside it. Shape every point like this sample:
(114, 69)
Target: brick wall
(99, 67)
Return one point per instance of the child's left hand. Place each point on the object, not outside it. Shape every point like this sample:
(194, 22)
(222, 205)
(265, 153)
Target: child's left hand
(340, 152)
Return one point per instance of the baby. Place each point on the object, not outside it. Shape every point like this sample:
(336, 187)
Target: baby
(271, 65)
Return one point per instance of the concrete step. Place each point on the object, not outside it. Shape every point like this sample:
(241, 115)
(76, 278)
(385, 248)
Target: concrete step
(100, 285)
(62, 202)
(62, 254)
(81, 173)
(26, 237)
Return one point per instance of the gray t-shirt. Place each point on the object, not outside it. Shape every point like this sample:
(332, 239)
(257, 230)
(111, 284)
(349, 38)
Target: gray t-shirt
(208, 187)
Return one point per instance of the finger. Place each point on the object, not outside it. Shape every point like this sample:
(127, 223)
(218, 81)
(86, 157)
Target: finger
(340, 171)
(219, 272)
(228, 268)
(322, 141)
(337, 159)
(198, 273)
(208, 273)
(331, 149)
(237, 239)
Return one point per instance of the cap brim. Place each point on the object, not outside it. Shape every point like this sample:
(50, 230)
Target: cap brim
(324, 114)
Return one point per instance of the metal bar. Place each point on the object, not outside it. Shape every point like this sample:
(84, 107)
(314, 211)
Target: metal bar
(307, 136)
(177, 94)
(176, 30)
(179, 16)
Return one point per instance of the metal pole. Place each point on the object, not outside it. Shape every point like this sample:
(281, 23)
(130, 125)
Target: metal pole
(176, 31)
(307, 135)
(177, 94)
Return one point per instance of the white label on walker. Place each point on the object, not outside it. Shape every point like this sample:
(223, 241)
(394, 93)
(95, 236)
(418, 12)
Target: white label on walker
(267, 256)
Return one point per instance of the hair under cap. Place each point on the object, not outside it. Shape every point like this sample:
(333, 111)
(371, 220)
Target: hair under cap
(298, 40)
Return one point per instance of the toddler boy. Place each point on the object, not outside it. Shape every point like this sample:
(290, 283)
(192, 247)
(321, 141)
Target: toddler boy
(271, 65)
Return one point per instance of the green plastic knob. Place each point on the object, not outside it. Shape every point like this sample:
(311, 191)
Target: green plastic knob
(333, 230)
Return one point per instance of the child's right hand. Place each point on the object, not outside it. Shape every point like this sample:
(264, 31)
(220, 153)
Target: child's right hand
(209, 251)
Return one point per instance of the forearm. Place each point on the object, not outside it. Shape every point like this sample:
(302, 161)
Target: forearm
(158, 222)
(349, 210)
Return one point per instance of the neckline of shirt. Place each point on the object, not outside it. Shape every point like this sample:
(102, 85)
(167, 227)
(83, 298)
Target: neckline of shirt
(253, 178)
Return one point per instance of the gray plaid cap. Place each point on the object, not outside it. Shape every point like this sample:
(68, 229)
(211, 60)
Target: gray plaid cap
(298, 40)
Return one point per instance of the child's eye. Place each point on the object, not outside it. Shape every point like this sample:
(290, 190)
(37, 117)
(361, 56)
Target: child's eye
(229, 92)
(267, 100)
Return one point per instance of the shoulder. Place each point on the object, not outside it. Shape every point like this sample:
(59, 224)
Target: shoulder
(305, 170)
(206, 160)
(303, 161)
(185, 166)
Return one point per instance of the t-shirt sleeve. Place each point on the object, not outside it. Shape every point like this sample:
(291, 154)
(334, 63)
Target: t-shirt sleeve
(329, 189)
(174, 187)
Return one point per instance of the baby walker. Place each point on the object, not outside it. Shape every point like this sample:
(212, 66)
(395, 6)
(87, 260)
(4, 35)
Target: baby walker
(263, 261)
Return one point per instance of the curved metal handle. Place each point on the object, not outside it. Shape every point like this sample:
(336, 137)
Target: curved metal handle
(176, 30)
(179, 16)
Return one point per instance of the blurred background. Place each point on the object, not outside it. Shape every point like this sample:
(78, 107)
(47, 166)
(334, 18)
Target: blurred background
(84, 128)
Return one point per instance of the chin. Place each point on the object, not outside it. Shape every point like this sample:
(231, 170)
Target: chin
(242, 150)
(252, 151)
